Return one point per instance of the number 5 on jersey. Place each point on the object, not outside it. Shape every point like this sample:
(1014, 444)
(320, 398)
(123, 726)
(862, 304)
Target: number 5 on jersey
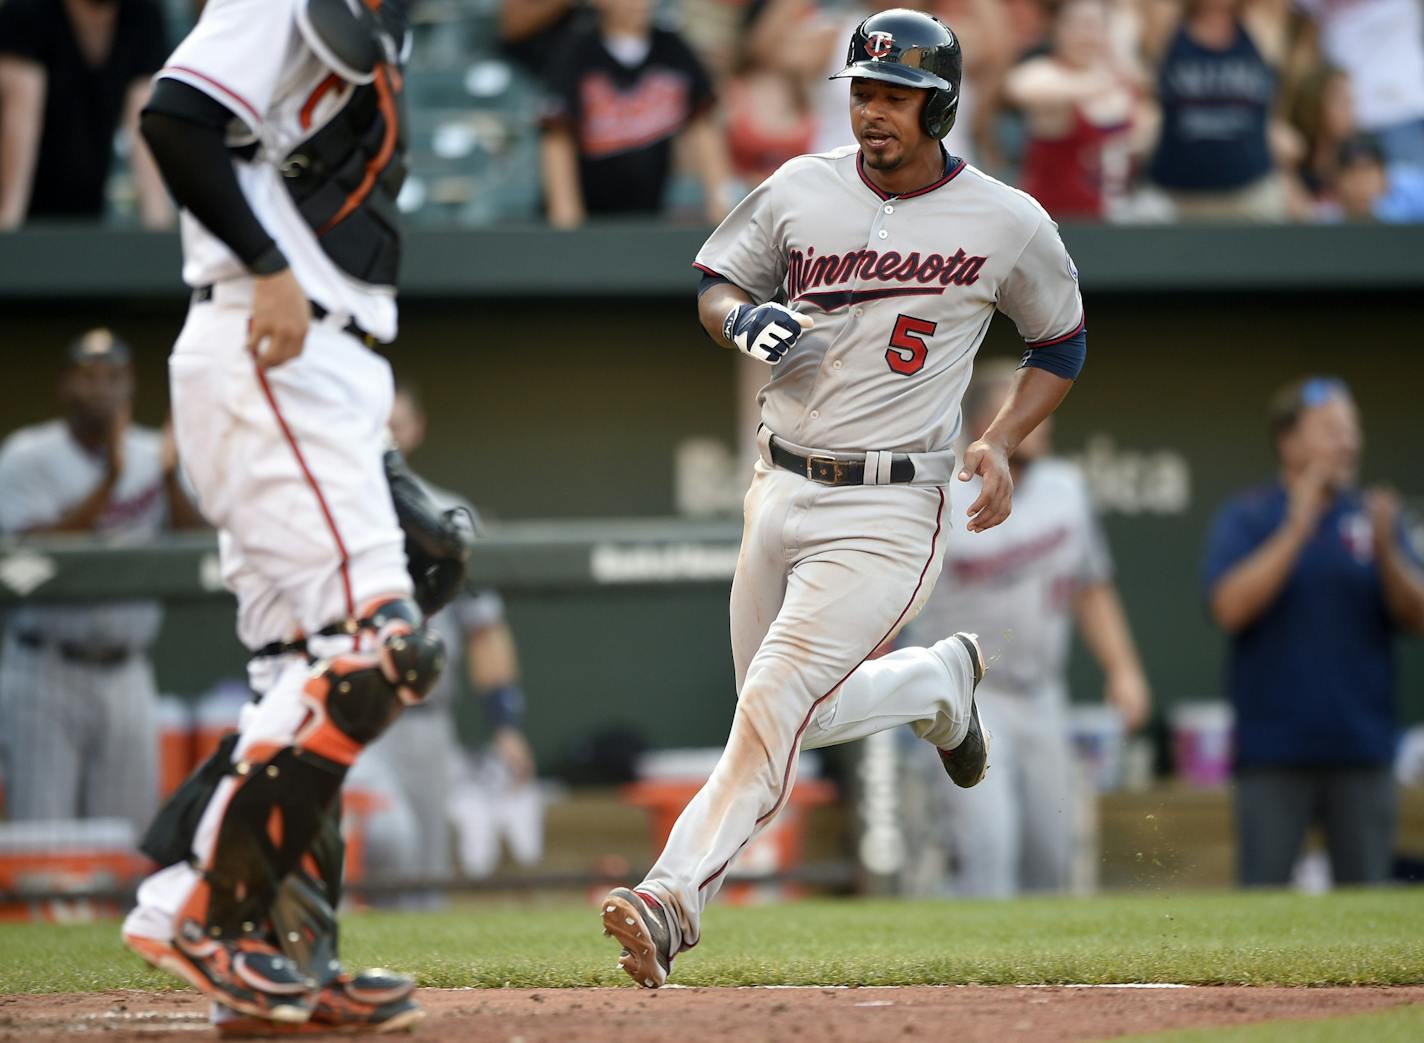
(908, 350)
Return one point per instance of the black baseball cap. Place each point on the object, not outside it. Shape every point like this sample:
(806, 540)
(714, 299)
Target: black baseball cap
(98, 345)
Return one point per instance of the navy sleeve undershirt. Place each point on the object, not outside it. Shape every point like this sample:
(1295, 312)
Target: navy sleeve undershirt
(1064, 359)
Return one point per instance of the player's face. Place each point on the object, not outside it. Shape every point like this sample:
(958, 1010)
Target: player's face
(1329, 435)
(94, 392)
(885, 118)
(1337, 107)
(1080, 35)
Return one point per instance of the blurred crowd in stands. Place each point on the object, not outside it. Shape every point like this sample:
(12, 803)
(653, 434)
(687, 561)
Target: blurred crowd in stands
(1115, 110)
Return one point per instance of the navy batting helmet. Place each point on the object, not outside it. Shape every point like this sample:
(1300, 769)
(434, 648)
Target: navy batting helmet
(914, 49)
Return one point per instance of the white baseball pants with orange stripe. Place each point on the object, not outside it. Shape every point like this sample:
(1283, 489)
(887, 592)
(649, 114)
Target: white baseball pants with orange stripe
(825, 576)
(287, 464)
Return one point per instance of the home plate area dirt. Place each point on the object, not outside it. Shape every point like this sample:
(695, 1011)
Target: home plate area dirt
(965, 1014)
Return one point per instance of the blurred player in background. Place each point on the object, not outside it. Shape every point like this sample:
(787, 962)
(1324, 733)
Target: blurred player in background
(1023, 585)
(1312, 581)
(78, 726)
(414, 768)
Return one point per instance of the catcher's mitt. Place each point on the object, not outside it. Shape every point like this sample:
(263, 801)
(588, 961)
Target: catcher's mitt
(437, 543)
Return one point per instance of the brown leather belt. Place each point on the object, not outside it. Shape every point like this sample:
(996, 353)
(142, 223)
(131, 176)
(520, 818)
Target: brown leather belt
(827, 470)
(73, 652)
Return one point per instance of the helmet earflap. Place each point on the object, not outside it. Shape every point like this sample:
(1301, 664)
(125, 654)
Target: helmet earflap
(937, 117)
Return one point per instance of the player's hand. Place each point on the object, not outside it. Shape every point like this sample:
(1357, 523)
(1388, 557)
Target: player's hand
(990, 461)
(1128, 691)
(116, 437)
(168, 449)
(1382, 505)
(766, 332)
(281, 315)
(513, 749)
(1308, 496)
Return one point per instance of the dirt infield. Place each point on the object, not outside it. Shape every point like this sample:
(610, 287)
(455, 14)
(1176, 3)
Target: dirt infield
(964, 1013)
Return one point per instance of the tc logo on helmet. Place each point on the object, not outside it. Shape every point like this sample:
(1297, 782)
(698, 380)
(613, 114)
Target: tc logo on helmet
(879, 44)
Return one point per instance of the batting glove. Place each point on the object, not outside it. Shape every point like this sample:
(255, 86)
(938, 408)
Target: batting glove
(766, 332)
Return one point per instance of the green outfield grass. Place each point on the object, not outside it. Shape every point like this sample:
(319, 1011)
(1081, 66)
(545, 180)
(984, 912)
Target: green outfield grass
(1257, 939)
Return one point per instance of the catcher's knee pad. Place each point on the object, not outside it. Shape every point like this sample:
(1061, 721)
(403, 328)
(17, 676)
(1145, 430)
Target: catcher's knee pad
(275, 812)
(351, 699)
(412, 655)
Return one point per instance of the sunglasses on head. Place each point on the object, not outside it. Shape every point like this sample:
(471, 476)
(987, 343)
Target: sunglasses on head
(1319, 390)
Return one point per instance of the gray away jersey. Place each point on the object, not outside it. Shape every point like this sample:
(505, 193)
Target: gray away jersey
(1015, 583)
(44, 473)
(902, 289)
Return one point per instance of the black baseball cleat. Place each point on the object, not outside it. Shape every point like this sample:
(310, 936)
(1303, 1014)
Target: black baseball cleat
(374, 1001)
(640, 925)
(968, 763)
(248, 976)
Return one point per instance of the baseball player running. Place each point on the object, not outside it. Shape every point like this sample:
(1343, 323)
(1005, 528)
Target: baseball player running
(276, 126)
(866, 277)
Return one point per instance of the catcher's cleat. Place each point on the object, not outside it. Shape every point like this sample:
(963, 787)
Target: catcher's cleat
(968, 763)
(639, 924)
(249, 976)
(374, 1001)
(157, 952)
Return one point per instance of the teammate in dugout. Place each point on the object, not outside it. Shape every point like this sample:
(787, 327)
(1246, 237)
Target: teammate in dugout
(1025, 585)
(867, 277)
(276, 125)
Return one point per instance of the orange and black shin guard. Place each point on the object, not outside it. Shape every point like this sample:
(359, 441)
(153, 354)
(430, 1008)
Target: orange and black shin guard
(269, 823)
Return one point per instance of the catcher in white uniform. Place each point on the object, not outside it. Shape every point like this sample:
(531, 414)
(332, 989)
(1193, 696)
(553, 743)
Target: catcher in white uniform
(1023, 585)
(276, 125)
(867, 278)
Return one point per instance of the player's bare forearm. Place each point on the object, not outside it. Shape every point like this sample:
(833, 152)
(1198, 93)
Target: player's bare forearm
(1401, 580)
(1034, 395)
(85, 514)
(1246, 591)
(521, 19)
(1403, 589)
(713, 306)
(491, 657)
(22, 93)
(1103, 625)
(1249, 587)
(154, 206)
(563, 195)
(181, 512)
(714, 166)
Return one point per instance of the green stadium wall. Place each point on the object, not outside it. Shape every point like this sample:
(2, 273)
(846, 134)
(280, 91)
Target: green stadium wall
(562, 372)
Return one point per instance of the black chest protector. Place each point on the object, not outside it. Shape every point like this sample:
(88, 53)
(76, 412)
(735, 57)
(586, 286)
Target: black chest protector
(345, 177)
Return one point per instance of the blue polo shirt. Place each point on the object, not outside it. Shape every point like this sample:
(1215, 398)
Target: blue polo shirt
(1313, 678)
